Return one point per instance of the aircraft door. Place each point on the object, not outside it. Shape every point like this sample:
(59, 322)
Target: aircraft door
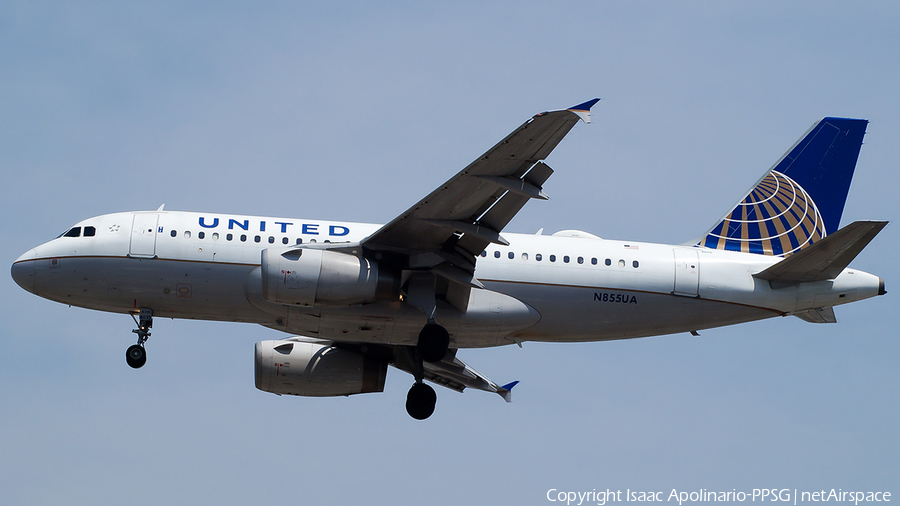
(143, 235)
(687, 272)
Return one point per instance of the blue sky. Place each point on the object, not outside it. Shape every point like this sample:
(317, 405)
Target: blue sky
(353, 112)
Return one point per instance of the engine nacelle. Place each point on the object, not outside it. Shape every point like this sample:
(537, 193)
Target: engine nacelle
(322, 278)
(316, 370)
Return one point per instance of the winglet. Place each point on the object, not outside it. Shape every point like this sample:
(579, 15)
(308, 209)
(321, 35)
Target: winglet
(584, 110)
(506, 391)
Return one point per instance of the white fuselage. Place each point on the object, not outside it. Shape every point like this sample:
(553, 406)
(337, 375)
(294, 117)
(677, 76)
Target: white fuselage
(565, 287)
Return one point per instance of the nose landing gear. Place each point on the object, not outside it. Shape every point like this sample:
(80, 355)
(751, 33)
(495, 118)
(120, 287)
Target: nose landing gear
(136, 355)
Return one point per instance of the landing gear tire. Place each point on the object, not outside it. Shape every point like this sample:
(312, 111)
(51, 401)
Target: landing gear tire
(420, 401)
(434, 340)
(136, 356)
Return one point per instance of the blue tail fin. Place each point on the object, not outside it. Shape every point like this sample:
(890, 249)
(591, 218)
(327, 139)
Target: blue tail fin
(798, 201)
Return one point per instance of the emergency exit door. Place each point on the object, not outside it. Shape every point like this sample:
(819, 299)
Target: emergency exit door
(687, 272)
(143, 235)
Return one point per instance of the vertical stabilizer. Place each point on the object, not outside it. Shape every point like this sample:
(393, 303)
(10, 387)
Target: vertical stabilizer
(798, 201)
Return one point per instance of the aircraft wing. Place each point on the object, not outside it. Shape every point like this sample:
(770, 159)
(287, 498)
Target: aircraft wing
(446, 230)
(454, 374)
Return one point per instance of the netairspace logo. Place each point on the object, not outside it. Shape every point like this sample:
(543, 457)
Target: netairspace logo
(784, 495)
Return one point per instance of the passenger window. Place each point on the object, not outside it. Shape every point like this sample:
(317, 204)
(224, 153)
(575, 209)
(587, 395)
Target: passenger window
(271, 240)
(229, 237)
(581, 260)
(511, 255)
(312, 240)
(483, 254)
(89, 231)
(73, 232)
(215, 236)
(257, 238)
(284, 240)
(243, 238)
(524, 256)
(538, 257)
(608, 262)
(635, 264)
(552, 258)
(201, 235)
(496, 254)
(566, 259)
(621, 263)
(187, 234)
(593, 261)
(299, 240)
(173, 233)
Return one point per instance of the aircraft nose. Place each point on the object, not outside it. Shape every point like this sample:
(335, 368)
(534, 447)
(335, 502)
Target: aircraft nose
(22, 270)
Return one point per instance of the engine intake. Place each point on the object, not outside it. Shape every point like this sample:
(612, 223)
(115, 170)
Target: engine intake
(322, 278)
(316, 370)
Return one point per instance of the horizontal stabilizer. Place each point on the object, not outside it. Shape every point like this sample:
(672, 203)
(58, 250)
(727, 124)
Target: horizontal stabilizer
(826, 258)
(822, 315)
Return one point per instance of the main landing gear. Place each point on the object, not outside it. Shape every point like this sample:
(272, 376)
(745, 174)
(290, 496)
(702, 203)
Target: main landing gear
(136, 355)
(421, 399)
(432, 346)
(434, 341)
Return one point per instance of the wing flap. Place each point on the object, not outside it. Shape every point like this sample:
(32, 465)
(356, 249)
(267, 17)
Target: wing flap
(453, 373)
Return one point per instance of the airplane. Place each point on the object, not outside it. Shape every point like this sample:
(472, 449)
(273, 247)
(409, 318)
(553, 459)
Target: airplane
(440, 277)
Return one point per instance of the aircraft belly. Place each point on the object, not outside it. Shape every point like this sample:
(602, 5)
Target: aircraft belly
(591, 314)
(490, 317)
(171, 288)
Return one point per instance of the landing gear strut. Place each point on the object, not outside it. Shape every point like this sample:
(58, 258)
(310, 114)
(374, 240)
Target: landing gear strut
(136, 355)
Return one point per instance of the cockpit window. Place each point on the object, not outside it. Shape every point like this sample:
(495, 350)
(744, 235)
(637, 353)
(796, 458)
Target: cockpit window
(89, 231)
(73, 232)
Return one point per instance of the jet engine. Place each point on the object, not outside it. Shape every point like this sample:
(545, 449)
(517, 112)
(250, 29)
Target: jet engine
(322, 278)
(316, 370)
